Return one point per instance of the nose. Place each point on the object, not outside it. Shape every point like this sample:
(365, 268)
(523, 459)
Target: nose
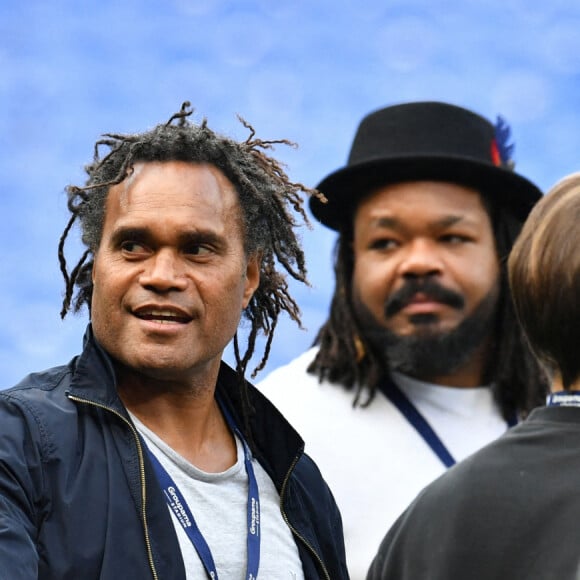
(421, 259)
(163, 272)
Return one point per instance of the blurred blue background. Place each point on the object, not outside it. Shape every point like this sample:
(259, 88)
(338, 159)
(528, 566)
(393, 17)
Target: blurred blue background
(303, 70)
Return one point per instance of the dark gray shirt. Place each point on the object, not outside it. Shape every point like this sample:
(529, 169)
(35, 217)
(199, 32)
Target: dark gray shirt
(510, 511)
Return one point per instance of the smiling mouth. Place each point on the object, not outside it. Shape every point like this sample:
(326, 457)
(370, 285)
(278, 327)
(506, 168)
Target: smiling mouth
(163, 316)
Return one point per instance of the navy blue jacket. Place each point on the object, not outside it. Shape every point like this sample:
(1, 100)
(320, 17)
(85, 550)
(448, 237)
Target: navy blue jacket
(79, 498)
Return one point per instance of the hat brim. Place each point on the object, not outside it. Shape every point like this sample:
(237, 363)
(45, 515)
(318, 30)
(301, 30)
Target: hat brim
(346, 187)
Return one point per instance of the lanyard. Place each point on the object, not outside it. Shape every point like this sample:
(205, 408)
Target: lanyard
(178, 505)
(419, 423)
(564, 399)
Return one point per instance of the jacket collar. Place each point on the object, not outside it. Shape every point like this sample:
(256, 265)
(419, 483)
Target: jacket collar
(276, 443)
(94, 375)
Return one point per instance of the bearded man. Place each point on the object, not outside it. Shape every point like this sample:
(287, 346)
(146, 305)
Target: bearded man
(421, 361)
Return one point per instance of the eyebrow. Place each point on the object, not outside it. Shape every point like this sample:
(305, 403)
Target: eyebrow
(395, 224)
(143, 234)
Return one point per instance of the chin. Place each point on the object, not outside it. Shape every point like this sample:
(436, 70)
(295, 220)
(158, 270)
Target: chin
(425, 319)
(429, 324)
(154, 367)
(423, 329)
(166, 374)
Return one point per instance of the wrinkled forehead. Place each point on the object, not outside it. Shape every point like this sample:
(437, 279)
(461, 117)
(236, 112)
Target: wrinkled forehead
(176, 195)
(432, 200)
(193, 182)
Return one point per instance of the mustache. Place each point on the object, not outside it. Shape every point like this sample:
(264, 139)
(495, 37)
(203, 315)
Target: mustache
(428, 287)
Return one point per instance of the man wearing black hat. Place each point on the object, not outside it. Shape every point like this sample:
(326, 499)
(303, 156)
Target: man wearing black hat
(421, 361)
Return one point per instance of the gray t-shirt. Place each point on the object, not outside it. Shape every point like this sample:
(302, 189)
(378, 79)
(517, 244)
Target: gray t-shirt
(218, 502)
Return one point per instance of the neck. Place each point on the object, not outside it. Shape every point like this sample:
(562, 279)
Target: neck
(558, 385)
(189, 420)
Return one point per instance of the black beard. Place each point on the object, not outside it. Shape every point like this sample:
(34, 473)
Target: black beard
(430, 353)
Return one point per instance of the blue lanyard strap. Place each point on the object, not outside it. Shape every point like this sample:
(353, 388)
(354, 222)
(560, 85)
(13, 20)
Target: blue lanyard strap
(179, 507)
(420, 424)
(564, 399)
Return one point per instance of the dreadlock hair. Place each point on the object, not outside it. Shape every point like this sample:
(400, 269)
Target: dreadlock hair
(347, 358)
(267, 199)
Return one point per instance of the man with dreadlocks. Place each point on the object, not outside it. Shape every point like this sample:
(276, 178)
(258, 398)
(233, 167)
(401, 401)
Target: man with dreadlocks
(421, 360)
(147, 456)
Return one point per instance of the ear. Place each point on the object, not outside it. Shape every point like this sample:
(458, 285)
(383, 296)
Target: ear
(252, 277)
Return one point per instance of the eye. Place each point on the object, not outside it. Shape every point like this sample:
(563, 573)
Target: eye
(134, 248)
(198, 250)
(454, 239)
(384, 244)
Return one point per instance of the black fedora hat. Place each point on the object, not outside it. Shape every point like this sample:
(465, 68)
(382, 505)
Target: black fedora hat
(425, 140)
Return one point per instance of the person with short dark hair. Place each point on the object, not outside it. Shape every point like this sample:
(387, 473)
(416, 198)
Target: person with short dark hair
(511, 510)
(147, 456)
(420, 361)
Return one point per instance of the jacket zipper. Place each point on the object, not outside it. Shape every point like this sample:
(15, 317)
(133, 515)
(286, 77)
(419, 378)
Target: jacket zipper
(141, 474)
(292, 528)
